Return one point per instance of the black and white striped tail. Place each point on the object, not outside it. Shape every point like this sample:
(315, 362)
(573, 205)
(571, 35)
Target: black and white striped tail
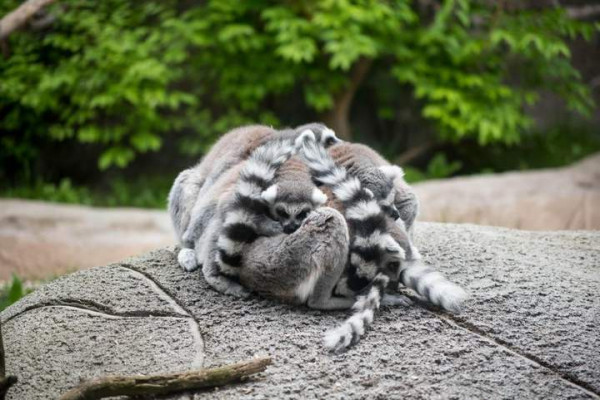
(365, 217)
(349, 333)
(432, 285)
(241, 221)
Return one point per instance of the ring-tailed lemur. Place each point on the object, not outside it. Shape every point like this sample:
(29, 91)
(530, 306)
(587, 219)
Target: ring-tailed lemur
(268, 190)
(385, 180)
(274, 194)
(191, 205)
(375, 256)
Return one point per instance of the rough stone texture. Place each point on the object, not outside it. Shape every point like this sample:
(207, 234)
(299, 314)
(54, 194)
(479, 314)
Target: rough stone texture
(550, 199)
(530, 330)
(39, 240)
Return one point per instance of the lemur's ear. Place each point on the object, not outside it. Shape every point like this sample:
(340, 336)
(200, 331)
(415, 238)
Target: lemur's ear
(270, 194)
(392, 171)
(305, 136)
(318, 198)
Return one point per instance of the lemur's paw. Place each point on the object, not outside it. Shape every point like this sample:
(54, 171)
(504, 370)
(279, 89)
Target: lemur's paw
(394, 300)
(187, 259)
(238, 291)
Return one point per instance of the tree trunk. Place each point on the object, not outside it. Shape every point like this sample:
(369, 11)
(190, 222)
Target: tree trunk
(338, 118)
(18, 17)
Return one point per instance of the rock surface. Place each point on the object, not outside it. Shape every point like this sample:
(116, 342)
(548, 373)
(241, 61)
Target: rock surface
(39, 240)
(550, 199)
(530, 330)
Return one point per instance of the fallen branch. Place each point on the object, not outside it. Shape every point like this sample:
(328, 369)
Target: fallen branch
(19, 16)
(164, 384)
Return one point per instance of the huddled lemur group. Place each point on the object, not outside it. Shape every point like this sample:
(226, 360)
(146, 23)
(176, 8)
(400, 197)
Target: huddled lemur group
(300, 216)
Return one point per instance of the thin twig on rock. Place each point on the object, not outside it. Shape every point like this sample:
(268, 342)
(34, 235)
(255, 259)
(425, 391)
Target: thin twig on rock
(168, 383)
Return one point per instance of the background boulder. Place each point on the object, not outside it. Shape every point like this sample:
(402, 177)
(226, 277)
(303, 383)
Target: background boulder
(550, 199)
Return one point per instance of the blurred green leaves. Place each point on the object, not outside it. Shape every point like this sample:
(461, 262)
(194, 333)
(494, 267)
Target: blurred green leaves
(130, 75)
(11, 292)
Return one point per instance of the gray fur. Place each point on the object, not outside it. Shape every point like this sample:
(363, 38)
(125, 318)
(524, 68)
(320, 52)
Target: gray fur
(277, 266)
(190, 206)
(365, 163)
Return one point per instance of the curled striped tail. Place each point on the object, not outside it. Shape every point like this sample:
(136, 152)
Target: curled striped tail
(350, 331)
(432, 285)
(245, 218)
(371, 245)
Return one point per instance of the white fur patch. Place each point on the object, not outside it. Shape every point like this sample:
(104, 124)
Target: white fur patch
(306, 287)
(234, 217)
(249, 189)
(392, 171)
(230, 246)
(347, 189)
(318, 198)
(363, 210)
(416, 254)
(373, 239)
(270, 194)
(255, 168)
(334, 177)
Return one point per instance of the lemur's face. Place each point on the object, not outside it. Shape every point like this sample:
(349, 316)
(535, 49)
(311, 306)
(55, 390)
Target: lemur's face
(291, 215)
(291, 205)
(387, 204)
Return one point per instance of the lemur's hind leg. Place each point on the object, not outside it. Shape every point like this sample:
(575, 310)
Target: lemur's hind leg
(302, 267)
(182, 197)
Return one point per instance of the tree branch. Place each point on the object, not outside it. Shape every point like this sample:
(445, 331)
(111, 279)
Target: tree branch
(584, 12)
(338, 117)
(168, 383)
(413, 153)
(18, 17)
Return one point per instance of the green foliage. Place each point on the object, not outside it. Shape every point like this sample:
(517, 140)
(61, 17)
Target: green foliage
(554, 147)
(143, 192)
(126, 75)
(438, 168)
(12, 291)
(63, 192)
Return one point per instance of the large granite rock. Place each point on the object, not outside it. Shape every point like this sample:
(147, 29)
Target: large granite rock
(547, 199)
(530, 330)
(39, 240)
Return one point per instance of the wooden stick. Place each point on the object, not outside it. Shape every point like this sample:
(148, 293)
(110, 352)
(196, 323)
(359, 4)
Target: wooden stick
(19, 16)
(163, 384)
